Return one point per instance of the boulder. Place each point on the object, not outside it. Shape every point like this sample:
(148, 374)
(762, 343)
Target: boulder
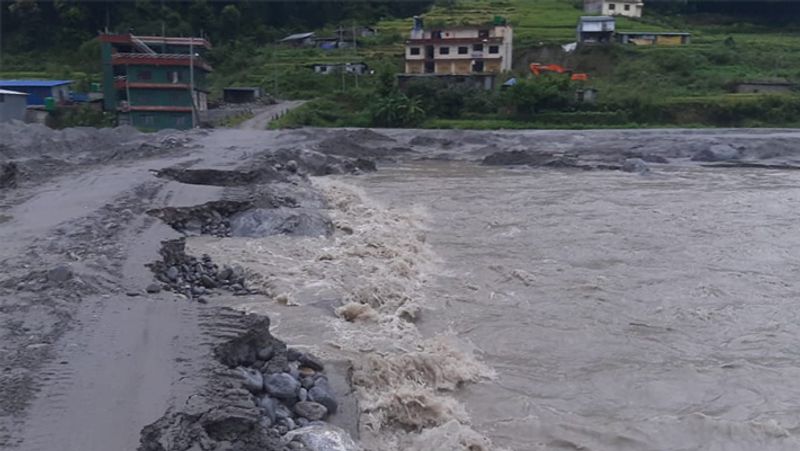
(261, 222)
(635, 165)
(318, 437)
(269, 406)
(281, 385)
(310, 410)
(310, 361)
(59, 274)
(321, 393)
(716, 152)
(253, 380)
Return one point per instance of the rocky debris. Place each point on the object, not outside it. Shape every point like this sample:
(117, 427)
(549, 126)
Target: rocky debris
(210, 218)
(716, 152)
(153, 288)
(636, 165)
(272, 374)
(261, 222)
(428, 141)
(365, 134)
(217, 177)
(245, 411)
(318, 163)
(184, 274)
(8, 174)
(347, 146)
(323, 437)
(218, 428)
(646, 157)
(534, 159)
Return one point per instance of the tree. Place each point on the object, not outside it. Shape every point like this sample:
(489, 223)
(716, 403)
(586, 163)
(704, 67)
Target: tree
(397, 110)
(546, 92)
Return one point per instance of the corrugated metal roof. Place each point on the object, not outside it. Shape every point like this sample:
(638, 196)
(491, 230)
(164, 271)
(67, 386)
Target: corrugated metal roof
(596, 18)
(294, 37)
(34, 83)
(12, 93)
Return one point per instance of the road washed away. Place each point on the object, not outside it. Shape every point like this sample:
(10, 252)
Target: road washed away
(397, 289)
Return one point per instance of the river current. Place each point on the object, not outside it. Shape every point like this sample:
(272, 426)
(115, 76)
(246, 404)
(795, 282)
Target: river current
(620, 312)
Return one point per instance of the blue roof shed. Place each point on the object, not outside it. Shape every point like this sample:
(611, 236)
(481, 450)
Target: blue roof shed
(37, 90)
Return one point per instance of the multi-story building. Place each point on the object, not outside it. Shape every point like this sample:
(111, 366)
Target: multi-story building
(627, 8)
(155, 82)
(476, 52)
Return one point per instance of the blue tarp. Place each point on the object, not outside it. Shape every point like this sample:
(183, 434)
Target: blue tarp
(33, 83)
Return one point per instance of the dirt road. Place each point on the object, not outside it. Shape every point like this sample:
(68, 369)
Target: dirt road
(265, 116)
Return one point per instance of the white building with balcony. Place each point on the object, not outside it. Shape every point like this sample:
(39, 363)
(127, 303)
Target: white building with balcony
(459, 50)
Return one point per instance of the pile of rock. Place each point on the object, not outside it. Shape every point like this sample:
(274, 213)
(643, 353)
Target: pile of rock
(210, 218)
(296, 397)
(184, 274)
(288, 386)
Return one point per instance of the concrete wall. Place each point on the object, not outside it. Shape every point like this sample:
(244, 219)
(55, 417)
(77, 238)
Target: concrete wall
(12, 107)
(158, 120)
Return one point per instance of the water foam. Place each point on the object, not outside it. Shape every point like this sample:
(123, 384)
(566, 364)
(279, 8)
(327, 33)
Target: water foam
(376, 265)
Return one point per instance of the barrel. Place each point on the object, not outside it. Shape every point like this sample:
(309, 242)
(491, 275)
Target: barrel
(49, 104)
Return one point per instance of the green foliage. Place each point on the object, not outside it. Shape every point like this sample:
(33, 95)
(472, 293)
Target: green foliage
(397, 110)
(82, 116)
(546, 92)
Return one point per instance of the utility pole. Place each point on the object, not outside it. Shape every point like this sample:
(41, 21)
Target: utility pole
(191, 80)
(355, 53)
(1, 34)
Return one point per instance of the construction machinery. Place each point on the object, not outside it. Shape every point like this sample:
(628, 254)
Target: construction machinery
(538, 69)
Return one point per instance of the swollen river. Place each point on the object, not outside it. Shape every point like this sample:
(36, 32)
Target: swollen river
(494, 308)
(619, 311)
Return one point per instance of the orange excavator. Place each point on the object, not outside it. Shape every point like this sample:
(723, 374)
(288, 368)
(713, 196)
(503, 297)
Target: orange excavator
(538, 69)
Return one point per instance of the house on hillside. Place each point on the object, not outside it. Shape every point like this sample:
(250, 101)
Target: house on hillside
(358, 68)
(596, 29)
(155, 82)
(12, 105)
(653, 38)
(299, 39)
(627, 8)
(39, 90)
(471, 54)
(235, 94)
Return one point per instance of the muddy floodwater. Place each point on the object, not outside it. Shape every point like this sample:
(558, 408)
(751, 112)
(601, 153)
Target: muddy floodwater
(620, 311)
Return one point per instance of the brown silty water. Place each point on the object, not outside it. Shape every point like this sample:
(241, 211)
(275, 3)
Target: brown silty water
(531, 308)
(619, 311)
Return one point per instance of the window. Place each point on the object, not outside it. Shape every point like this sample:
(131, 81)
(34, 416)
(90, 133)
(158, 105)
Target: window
(483, 34)
(144, 75)
(627, 7)
(413, 51)
(174, 77)
(436, 34)
(444, 50)
(463, 50)
(477, 66)
(477, 47)
(149, 120)
(181, 121)
(612, 6)
(494, 49)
